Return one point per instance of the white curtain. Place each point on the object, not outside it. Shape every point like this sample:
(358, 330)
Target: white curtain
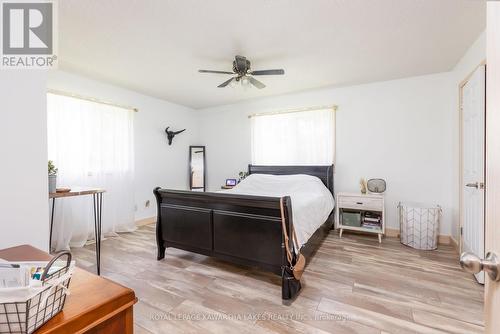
(294, 138)
(92, 146)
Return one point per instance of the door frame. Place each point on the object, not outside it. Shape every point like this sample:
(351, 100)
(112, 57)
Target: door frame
(460, 153)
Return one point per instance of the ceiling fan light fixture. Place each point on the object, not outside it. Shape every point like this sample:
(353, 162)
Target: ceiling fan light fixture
(244, 76)
(233, 83)
(245, 82)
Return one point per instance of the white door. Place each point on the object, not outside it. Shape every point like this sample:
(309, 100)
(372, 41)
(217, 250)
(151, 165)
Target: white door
(491, 264)
(492, 291)
(473, 164)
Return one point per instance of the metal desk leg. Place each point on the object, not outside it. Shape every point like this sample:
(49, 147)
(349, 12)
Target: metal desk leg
(52, 223)
(97, 228)
(100, 230)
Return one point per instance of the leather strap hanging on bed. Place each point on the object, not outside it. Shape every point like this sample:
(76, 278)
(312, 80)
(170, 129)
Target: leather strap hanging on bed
(297, 263)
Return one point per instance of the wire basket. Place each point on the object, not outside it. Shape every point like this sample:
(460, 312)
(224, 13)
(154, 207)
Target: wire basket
(26, 317)
(419, 225)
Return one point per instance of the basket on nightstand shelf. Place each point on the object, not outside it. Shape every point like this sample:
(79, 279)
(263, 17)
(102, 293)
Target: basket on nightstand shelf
(24, 315)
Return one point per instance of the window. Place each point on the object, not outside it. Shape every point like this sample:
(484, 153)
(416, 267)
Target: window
(294, 138)
(92, 145)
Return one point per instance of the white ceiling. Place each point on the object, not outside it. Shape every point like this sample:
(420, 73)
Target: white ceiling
(156, 47)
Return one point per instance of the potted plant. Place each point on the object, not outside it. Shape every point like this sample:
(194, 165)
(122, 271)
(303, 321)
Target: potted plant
(242, 176)
(52, 177)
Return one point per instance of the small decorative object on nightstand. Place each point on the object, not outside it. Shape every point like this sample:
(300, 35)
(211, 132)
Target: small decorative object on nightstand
(230, 183)
(362, 185)
(242, 176)
(363, 213)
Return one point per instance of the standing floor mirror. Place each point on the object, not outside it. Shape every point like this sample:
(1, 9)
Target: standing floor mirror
(197, 173)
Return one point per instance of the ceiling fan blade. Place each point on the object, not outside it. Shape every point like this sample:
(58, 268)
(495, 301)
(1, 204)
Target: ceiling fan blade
(225, 83)
(218, 72)
(268, 72)
(256, 83)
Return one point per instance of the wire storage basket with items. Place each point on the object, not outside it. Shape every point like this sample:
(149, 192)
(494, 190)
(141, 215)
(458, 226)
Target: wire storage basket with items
(31, 293)
(419, 225)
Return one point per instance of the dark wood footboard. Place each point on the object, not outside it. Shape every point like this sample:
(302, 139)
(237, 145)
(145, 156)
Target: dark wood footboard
(239, 228)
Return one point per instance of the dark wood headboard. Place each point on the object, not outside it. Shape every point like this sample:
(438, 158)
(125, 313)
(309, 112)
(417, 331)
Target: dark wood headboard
(324, 173)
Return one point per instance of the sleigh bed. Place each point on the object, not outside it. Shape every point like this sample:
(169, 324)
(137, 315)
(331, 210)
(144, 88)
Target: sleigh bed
(239, 228)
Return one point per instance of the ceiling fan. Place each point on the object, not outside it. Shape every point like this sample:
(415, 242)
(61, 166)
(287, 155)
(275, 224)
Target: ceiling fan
(241, 67)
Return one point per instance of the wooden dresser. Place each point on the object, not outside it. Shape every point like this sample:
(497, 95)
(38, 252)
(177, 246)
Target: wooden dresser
(95, 305)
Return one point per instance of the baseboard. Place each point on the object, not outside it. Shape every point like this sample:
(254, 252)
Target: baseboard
(145, 221)
(455, 245)
(442, 239)
(391, 233)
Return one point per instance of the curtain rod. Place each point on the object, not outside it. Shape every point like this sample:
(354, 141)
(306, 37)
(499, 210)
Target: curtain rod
(91, 99)
(288, 111)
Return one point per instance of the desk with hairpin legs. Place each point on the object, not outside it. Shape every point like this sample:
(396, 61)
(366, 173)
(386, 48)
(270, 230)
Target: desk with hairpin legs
(97, 200)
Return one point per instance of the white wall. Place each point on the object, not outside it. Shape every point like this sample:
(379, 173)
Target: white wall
(23, 168)
(156, 163)
(471, 59)
(405, 131)
(398, 130)
(416, 150)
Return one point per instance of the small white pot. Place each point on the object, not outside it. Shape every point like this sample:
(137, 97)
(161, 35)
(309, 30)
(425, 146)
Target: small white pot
(52, 183)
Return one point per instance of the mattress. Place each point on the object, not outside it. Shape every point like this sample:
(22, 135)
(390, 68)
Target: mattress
(312, 202)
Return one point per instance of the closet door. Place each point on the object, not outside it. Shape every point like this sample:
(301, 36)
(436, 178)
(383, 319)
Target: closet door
(492, 290)
(473, 164)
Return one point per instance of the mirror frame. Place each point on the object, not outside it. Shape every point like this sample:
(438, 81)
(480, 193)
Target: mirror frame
(204, 167)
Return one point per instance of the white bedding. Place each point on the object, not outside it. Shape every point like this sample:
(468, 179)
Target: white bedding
(312, 202)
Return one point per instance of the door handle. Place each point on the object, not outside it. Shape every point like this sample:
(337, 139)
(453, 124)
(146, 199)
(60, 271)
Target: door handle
(477, 185)
(473, 264)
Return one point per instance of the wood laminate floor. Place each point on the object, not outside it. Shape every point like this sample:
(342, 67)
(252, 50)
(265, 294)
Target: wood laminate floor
(352, 285)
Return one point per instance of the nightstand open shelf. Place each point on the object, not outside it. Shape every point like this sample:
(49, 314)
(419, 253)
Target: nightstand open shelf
(362, 213)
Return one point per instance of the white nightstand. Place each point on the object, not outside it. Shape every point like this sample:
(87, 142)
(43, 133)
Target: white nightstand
(363, 213)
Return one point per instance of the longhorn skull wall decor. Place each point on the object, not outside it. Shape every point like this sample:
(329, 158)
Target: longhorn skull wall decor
(171, 134)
